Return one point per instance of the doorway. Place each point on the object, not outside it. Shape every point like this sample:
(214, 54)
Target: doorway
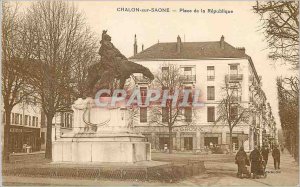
(188, 143)
(209, 140)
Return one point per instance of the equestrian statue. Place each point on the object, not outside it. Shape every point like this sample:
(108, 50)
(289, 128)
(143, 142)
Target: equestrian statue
(113, 66)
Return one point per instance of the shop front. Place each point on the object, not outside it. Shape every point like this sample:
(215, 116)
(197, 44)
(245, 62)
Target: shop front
(183, 138)
(19, 136)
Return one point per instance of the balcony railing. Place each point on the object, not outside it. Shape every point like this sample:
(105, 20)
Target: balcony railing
(187, 78)
(236, 99)
(210, 78)
(234, 78)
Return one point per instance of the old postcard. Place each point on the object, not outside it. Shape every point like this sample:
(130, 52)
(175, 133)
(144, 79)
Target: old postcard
(150, 93)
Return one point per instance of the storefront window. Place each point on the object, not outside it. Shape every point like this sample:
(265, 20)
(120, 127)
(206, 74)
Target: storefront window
(29, 123)
(162, 142)
(210, 141)
(17, 118)
(188, 143)
(26, 120)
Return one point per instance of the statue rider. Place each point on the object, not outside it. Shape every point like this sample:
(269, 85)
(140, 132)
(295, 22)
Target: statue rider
(111, 57)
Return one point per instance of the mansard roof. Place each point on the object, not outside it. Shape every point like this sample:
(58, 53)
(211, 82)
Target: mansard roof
(190, 50)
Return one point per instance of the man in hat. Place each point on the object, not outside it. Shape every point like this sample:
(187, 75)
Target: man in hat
(241, 159)
(255, 159)
(276, 157)
(265, 154)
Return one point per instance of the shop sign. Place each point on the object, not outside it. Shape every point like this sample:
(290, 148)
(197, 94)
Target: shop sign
(15, 130)
(192, 128)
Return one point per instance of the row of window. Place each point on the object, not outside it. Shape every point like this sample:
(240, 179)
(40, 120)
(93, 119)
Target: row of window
(17, 119)
(188, 71)
(187, 113)
(210, 92)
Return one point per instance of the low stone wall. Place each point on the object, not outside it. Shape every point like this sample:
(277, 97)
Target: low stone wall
(162, 173)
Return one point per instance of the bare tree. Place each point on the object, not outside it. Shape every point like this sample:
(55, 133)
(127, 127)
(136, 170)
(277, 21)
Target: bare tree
(173, 114)
(85, 55)
(230, 109)
(61, 42)
(288, 98)
(14, 54)
(281, 27)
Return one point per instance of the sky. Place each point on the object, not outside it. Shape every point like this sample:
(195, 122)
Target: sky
(240, 29)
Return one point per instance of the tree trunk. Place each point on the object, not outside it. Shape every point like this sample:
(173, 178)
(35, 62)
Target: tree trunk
(170, 140)
(230, 142)
(48, 153)
(6, 151)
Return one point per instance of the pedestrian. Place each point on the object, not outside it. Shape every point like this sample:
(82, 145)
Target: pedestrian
(241, 159)
(282, 148)
(276, 157)
(255, 159)
(166, 147)
(265, 154)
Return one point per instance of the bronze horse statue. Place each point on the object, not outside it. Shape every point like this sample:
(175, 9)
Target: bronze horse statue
(99, 74)
(112, 66)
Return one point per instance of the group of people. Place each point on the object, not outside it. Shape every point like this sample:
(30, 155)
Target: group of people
(258, 160)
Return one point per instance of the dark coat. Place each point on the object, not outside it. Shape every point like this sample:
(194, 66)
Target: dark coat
(256, 159)
(276, 153)
(265, 153)
(241, 159)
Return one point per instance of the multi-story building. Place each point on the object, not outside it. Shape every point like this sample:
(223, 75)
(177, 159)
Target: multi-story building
(25, 126)
(206, 66)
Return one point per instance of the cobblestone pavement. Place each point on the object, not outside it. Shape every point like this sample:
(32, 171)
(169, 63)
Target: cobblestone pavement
(221, 170)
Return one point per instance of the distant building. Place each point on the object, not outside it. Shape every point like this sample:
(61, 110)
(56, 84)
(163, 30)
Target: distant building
(25, 126)
(205, 66)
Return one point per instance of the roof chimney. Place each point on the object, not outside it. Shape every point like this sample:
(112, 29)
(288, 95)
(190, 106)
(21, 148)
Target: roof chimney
(242, 49)
(178, 45)
(222, 42)
(135, 46)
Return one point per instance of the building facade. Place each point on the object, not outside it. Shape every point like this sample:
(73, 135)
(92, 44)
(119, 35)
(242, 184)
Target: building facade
(206, 66)
(25, 127)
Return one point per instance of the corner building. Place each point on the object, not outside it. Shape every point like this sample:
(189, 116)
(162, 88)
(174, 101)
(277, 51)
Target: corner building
(205, 66)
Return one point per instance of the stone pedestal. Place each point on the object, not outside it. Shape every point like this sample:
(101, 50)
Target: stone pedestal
(100, 135)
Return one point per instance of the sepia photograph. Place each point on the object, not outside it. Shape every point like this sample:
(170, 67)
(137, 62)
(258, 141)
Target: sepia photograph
(149, 93)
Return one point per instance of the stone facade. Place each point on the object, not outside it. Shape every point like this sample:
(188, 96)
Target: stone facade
(205, 72)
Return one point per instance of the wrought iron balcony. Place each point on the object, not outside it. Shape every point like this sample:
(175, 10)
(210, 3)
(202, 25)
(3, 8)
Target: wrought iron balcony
(187, 78)
(234, 77)
(236, 99)
(210, 78)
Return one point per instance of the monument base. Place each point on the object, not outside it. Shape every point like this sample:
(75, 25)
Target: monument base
(105, 149)
(107, 138)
